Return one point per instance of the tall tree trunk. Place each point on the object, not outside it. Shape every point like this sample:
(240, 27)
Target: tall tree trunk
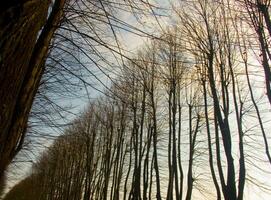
(21, 65)
(210, 140)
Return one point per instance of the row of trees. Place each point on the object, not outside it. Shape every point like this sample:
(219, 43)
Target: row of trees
(40, 44)
(185, 100)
